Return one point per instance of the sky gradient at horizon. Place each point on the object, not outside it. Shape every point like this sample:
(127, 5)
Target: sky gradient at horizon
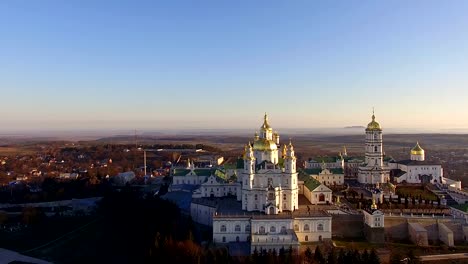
(222, 64)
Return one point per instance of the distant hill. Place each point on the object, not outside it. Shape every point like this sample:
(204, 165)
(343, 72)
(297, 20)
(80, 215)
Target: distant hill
(354, 127)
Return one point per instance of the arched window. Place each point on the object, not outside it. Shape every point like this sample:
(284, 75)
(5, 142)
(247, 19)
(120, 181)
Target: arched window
(306, 228)
(272, 229)
(284, 197)
(296, 227)
(256, 197)
(306, 238)
(224, 239)
(223, 228)
(247, 228)
(283, 230)
(262, 230)
(375, 149)
(271, 196)
(320, 227)
(237, 228)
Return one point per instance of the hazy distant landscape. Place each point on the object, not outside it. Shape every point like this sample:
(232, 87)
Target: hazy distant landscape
(450, 150)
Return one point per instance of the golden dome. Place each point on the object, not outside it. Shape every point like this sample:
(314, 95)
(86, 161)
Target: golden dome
(265, 125)
(417, 150)
(373, 125)
(264, 145)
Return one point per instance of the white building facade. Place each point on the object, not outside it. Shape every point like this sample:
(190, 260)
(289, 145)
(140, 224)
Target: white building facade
(269, 216)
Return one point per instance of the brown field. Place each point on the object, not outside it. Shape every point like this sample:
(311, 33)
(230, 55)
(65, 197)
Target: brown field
(17, 150)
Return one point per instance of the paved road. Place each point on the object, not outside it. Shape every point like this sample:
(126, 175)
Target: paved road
(444, 257)
(7, 256)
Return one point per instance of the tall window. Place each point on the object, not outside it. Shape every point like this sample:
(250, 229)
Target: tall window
(237, 228)
(284, 196)
(296, 227)
(320, 227)
(262, 230)
(247, 228)
(283, 230)
(306, 228)
(223, 228)
(272, 229)
(256, 197)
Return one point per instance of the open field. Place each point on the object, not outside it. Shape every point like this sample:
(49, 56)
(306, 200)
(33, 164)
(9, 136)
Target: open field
(17, 150)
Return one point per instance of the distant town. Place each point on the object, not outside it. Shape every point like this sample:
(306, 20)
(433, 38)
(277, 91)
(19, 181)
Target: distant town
(221, 200)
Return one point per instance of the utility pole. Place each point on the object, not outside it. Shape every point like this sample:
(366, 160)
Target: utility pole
(144, 155)
(136, 143)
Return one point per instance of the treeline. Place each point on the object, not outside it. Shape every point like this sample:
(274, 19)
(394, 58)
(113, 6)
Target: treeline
(342, 256)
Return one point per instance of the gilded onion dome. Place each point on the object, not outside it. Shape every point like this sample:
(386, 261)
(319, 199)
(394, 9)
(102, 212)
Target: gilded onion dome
(264, 145)
(265, 125)
(373, 125)
(417, 150)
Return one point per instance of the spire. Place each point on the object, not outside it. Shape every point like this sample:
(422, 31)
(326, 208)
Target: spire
(373, 114)
(265, 122)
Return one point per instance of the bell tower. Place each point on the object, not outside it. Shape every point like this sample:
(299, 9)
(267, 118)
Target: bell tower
(374, 144)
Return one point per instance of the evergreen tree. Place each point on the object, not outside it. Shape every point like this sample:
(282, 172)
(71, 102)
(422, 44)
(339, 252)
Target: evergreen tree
(373, 258)
(341, 256)
(309, 257)
(282, 255)
(318, 257)
(331, 259)
(365, 256)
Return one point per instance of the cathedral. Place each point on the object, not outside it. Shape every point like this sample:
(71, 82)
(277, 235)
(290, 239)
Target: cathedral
(269, 215)
(269, 186)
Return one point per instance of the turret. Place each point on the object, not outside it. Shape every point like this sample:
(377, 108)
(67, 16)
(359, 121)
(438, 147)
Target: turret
(266, 132)
(290, 159)
(276, 138)
(249, 159)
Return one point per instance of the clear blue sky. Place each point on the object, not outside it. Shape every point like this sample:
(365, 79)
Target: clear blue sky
(215, 64)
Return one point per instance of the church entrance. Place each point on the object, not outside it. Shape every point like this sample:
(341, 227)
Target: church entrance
(321, 197)
(425, 178)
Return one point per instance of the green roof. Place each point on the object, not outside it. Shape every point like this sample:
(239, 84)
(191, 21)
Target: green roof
(202, 172)
(198, 172)
(348, 158)
(180, 172)
(312, 184)
(314, 171)
(325, 159)
(337, 171)
(462, 207)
